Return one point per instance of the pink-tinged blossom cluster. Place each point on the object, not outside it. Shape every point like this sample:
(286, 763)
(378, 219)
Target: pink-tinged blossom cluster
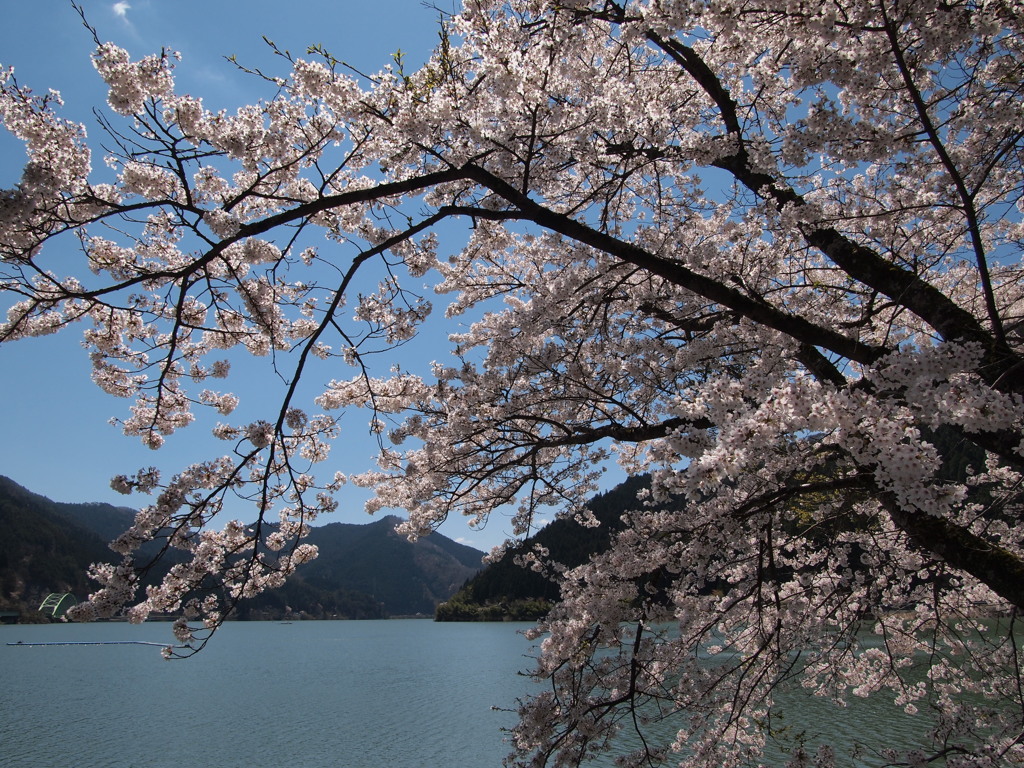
(133, 83)
(768, 256)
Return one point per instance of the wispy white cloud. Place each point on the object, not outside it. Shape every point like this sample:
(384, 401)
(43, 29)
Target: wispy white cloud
(121, 9)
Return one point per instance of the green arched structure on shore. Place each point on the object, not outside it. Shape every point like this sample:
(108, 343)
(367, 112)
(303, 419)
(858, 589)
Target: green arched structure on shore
(58, 603)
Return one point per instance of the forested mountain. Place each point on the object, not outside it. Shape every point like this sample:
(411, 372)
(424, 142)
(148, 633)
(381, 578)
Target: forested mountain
(407, 578)
(364, 571)
(506, 590)
(41, 549)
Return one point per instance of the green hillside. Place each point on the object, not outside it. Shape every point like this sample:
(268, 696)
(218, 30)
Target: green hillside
(408, 578)
(363, 572)
(41, 551)
(504, 590)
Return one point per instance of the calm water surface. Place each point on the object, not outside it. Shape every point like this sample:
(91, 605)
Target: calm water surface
(331, 694)
(328, 694)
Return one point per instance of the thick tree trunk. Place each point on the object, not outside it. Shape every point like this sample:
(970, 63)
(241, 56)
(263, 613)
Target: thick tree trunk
(997, 568)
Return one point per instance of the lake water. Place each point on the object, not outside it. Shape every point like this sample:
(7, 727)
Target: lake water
(330, 694)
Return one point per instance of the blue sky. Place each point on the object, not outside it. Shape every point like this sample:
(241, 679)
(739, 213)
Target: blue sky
(56, 439)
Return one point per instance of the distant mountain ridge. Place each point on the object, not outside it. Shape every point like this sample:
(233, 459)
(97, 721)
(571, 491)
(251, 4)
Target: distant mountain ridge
(363, 571)
(408, 578)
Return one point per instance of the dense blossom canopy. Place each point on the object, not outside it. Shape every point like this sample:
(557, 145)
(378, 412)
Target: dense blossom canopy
(768, 253)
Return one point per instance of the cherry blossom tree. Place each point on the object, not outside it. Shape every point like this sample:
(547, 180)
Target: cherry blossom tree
(769, 254)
